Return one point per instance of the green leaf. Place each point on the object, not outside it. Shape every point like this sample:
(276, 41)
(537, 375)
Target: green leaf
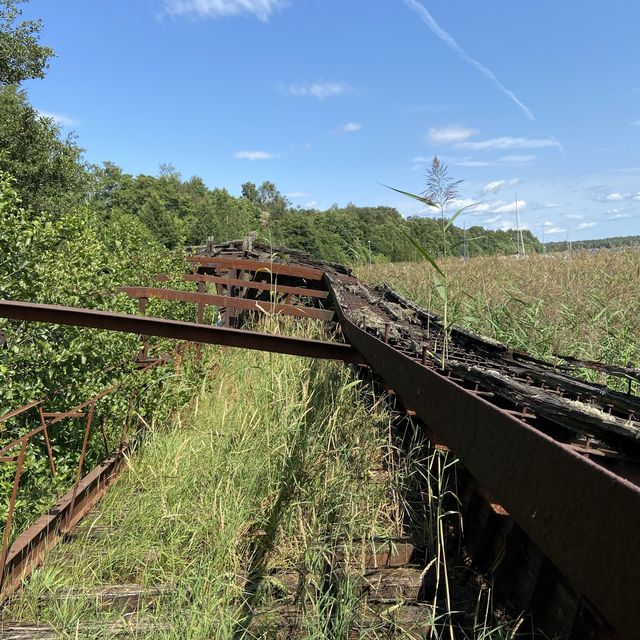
(422, 199)
(440, 288)
(423, 252)
(457, 213)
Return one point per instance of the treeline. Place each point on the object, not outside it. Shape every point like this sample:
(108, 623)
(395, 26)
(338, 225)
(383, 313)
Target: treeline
(179, 212)
(616, 242)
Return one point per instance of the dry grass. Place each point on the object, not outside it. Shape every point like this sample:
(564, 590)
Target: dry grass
(586, 304)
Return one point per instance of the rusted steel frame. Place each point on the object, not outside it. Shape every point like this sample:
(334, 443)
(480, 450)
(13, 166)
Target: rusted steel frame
(228, 301)
(253, 284)
(45, 429)
(76, 412)
(17, 412)
(28, 549)
(83, 453)
(12, 505)
(580, 515)
(275, 268)
(177, 330)
(22, 439)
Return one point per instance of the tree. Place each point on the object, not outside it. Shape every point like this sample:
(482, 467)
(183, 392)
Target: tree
(48, 169)
(442, 191)
(273, 205)
(21, 57)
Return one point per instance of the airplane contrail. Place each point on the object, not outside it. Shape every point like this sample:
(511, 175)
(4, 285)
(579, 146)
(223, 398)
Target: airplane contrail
(449, 40)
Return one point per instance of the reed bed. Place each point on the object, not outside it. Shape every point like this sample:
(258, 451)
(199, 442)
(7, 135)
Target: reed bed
(586, 305)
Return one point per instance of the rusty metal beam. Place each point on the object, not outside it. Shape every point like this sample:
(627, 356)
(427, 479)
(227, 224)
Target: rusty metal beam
(17, 412)
(261, 286)
(582, 516)
(275, 268)
(177, 330)
(28, 550)
(228, 302)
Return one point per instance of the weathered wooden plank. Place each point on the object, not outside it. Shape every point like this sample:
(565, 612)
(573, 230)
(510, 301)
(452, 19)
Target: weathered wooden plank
(276, 268)
(228, 302)
(261, 286)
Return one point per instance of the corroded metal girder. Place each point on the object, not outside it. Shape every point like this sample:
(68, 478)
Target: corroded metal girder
(177, 330)
(28, 550)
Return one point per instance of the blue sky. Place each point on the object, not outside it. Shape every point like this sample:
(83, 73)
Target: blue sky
(329, 98)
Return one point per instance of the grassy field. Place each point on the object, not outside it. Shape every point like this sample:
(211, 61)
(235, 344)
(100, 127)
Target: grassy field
(586, 305)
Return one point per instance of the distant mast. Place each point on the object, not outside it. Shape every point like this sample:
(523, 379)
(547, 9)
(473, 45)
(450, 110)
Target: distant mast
(519, 236)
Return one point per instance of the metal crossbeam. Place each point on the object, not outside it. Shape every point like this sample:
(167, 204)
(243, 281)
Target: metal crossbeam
(177, 330)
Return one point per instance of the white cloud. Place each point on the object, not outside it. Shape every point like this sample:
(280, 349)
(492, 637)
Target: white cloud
(297, 194)
(587, 225)
(320, 90)
(311, 205)
(615, 210)
(498, 185)
(506, 142)
(573, 216)
(419, 159)
(261, 9)
(635, 123)
(617, 196)
(554, 230)
(510, 207)
(517, 159)
(351, 127)
(256, 155)
(449, 134)
(448, 39)
(479, 208)
(468, 162)
(619, 216)
(59, 118)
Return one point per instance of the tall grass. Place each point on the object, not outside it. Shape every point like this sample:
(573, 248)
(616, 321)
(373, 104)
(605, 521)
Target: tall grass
(586, 305)
(264, 475)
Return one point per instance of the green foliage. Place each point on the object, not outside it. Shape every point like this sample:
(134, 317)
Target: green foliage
(71, 259)
(48, 169)
(21, 57)
(174, 211)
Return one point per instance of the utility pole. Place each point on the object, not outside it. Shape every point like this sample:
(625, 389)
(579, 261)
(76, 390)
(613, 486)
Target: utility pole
(369, 243)
(465, 246)
(520, 238)
(543, 247)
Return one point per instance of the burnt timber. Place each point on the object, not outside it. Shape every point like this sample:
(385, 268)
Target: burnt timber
(555, 456)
